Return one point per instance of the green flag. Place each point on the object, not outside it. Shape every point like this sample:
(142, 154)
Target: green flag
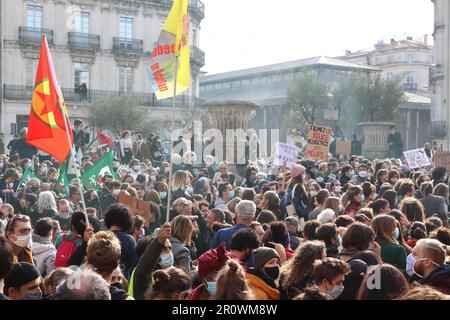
(93, 177)
(26, 177)
(62, 184)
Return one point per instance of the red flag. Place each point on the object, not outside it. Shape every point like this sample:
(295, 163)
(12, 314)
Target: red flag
(104, 139)
(47, 127)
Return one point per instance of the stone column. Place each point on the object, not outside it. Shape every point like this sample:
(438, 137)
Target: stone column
(375, 139)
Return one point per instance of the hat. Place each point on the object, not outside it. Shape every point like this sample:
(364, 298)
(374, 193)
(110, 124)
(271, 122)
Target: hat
(297, 170)
(261, 174)
(263, 254)
(212, 260)
(246, 209)
(291, 221)
(20, 274)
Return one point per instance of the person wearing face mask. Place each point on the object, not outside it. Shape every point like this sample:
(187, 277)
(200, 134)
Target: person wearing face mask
(18, 232)
(363, 174)
(332, 239)
(8, 185)
(226, 193)
(428, 263)
(346, 174)
(135, 169)
(387, 235)
(329, 274)
(394, 176)
(23, 282)
(335, 189)
(44, 251)
(356, 197)
(209, 264)
(263, 279)
(157, 255)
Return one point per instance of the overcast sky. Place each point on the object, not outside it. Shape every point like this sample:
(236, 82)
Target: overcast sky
(239, 34)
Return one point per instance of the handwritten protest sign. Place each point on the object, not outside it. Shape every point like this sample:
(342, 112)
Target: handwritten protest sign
(318, 142)
(285, 152)
(442, 159)
(343, 148)
(416, 158)
(137, 207)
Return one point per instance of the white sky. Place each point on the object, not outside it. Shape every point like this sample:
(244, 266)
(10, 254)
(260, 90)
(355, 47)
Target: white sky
(239, 34)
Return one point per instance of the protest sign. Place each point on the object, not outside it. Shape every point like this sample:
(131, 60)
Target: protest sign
(318, 142)
(442, 159)
(137, 207)
(285, 154)
(343, 148)
(416, 158)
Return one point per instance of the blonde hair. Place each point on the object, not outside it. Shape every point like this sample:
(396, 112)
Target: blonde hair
(23, 133)
(180, 180)
(180, 202)
(182, 229)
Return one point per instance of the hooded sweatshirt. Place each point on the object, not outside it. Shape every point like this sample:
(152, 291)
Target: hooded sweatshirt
(439, 279)
(44, 253)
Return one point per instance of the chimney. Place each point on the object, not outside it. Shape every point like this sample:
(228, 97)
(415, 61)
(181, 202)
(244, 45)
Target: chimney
(409, 38)
(425, 40)
(392, 42)
(379, 45)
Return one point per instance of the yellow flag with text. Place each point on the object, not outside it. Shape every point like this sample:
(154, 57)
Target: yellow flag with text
(173, 42)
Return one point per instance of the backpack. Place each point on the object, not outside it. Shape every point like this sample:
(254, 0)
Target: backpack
(65, 250)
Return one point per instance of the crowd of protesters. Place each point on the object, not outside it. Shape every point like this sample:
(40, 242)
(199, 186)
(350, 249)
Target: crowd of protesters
(346, 229)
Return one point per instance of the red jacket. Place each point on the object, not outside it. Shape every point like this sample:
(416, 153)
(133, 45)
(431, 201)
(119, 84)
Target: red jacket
(352, 208)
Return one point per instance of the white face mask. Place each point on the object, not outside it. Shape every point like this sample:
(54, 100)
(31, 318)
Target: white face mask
(338, 189)
(313, 193)
(336, 291)
(137, 168)
(23, 241)
(363, 174)
(166, 260)
(163, 195)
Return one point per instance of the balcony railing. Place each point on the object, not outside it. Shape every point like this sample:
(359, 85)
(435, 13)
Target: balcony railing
(25, 93)
(197, 56)
(198, 7)
(123, 45)
(436, 73)
(84, 41)
(410, 86)
(29, 35)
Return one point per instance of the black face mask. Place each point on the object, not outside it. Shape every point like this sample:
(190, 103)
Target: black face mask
(118, 285)
(272, 272)
(34, 189)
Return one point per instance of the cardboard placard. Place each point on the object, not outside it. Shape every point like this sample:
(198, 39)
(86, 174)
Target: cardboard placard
(285, 154)
(343, 148)
(137, 207)
(318, 142)
(417, 158)
(442, 159)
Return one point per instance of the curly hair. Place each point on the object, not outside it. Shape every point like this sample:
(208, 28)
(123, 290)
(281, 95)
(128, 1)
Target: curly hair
(302, 264)
(413, 209)
(167, 282)
(120, 216)
(103, 252)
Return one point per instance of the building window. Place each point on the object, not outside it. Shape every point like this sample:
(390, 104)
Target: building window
(245, 82)
(226, 85)
(410, 58)
(22, 121)
(82, 22)
(125, 79)
(82, 71)
(34, 17)
(126, 28)
(236, 84)
(430, 59)
(391, 59)
(31, 67)
(377, 61)
(410, 77)
(194, 36)
(390, 76)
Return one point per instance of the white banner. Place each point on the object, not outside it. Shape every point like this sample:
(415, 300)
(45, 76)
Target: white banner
(417, 158)
(285, 152)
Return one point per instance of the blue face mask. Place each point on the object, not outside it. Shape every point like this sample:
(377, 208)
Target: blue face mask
(211, 287)
(362, 198)
(319, 179)
(397, 233)
(166, 260)
(232, 194)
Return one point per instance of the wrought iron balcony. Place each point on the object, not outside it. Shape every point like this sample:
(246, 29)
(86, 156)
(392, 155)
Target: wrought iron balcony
(197, 56)
(29, 35)
(74, 95)
(127, 46)
(84, 41)
(436, 73)
(410, 86)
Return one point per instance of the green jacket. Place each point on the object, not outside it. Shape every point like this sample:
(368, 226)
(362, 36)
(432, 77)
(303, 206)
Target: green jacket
(394, 254)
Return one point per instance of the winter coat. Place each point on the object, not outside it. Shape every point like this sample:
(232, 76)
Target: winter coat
(439, 279)
(44, 253)
(181, 255)
(260, 288)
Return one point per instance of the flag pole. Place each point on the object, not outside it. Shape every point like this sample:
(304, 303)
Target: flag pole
(172, 127)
